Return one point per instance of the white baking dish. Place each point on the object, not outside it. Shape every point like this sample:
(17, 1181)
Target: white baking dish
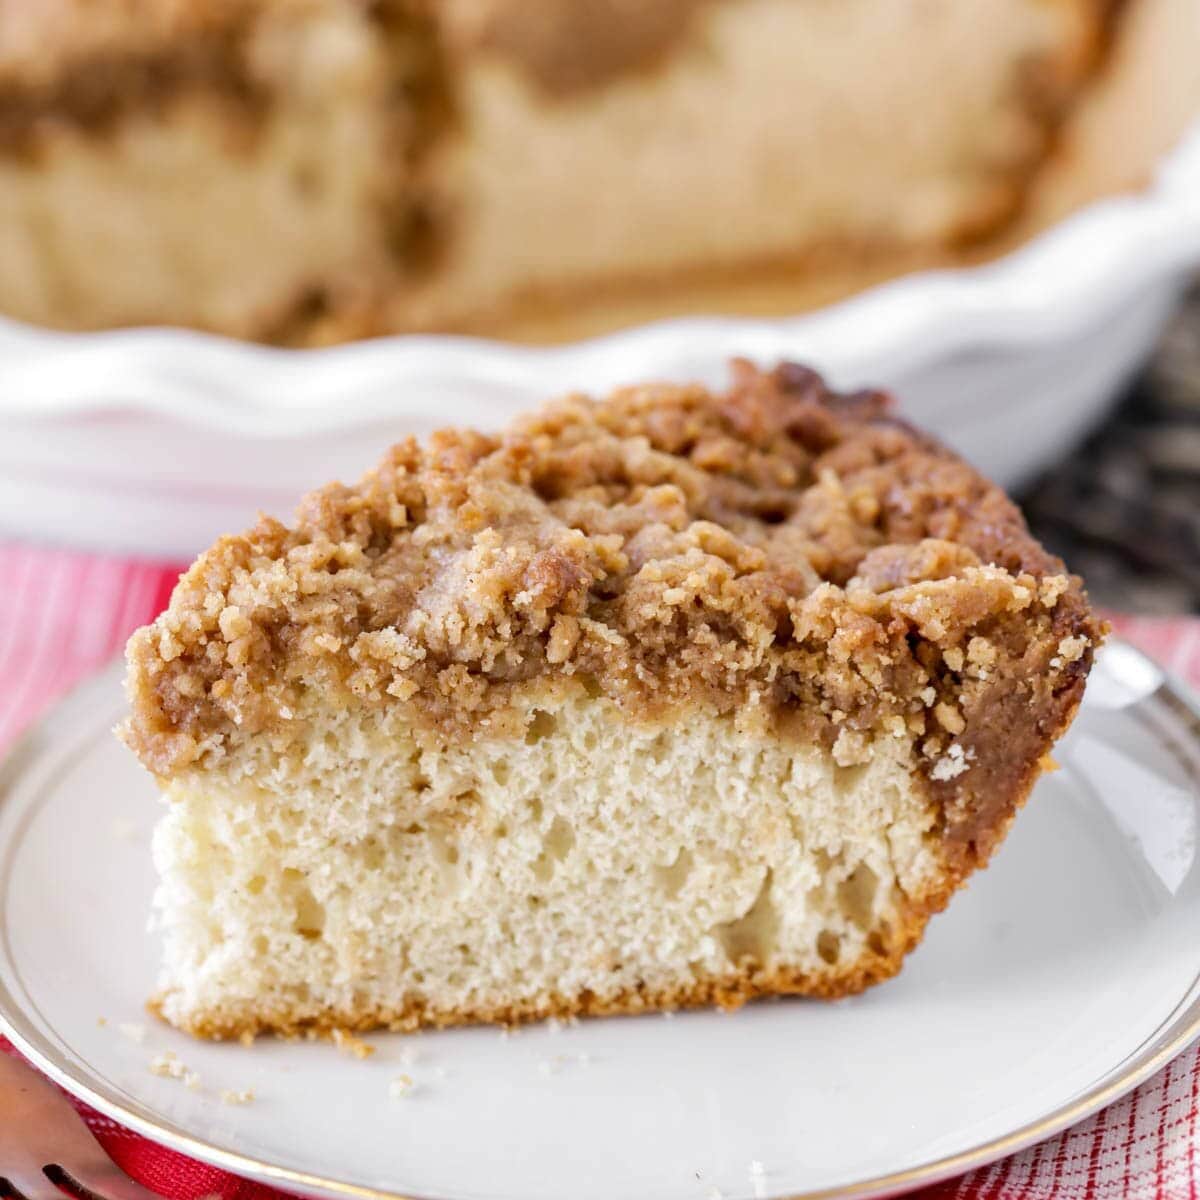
(154, 441)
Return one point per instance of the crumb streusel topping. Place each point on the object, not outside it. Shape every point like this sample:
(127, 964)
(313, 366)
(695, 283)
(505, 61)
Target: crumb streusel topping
(776, 547)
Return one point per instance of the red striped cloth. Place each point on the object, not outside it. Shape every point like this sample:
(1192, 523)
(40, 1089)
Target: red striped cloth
(63, 614)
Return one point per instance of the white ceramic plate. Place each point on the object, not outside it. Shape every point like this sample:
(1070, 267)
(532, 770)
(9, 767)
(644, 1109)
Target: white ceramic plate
(1064, 975)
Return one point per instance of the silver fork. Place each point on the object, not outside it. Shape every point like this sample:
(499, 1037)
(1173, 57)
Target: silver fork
(45, 1146)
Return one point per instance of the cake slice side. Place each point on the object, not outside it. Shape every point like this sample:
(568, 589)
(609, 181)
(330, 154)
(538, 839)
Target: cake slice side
(680, 698)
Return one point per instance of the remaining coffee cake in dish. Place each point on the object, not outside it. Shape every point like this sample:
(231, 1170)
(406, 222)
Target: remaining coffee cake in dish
(677, 698)
(307, 170)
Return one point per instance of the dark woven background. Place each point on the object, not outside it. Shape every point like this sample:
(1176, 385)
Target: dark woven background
(1124, 510)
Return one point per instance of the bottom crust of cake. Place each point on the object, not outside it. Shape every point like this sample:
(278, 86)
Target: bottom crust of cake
(727, 992)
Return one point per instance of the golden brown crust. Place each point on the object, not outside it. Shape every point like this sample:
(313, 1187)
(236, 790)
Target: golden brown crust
(777, 549)
(880, 961)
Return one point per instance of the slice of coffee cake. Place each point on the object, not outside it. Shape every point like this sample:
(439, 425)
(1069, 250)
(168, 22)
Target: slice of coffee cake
(679, 698)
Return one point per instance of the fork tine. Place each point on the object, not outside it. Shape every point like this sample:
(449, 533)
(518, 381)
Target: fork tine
(45, 1147)
(103, 1180)
(28, 1183)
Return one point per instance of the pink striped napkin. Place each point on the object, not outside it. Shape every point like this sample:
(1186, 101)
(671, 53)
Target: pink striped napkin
(63, 615)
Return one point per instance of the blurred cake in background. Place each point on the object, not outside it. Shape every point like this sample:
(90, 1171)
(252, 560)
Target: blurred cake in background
(304, 171)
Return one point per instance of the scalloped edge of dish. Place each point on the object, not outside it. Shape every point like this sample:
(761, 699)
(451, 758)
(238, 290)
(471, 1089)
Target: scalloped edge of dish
(1060, 283)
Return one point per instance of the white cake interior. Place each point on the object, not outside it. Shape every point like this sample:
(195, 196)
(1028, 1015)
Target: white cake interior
(375, 879)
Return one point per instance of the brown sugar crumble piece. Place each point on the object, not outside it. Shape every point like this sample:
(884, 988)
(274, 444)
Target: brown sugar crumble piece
(354, 1046)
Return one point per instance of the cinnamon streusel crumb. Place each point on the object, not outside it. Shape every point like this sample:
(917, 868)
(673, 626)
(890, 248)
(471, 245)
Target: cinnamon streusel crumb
(778, 552)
